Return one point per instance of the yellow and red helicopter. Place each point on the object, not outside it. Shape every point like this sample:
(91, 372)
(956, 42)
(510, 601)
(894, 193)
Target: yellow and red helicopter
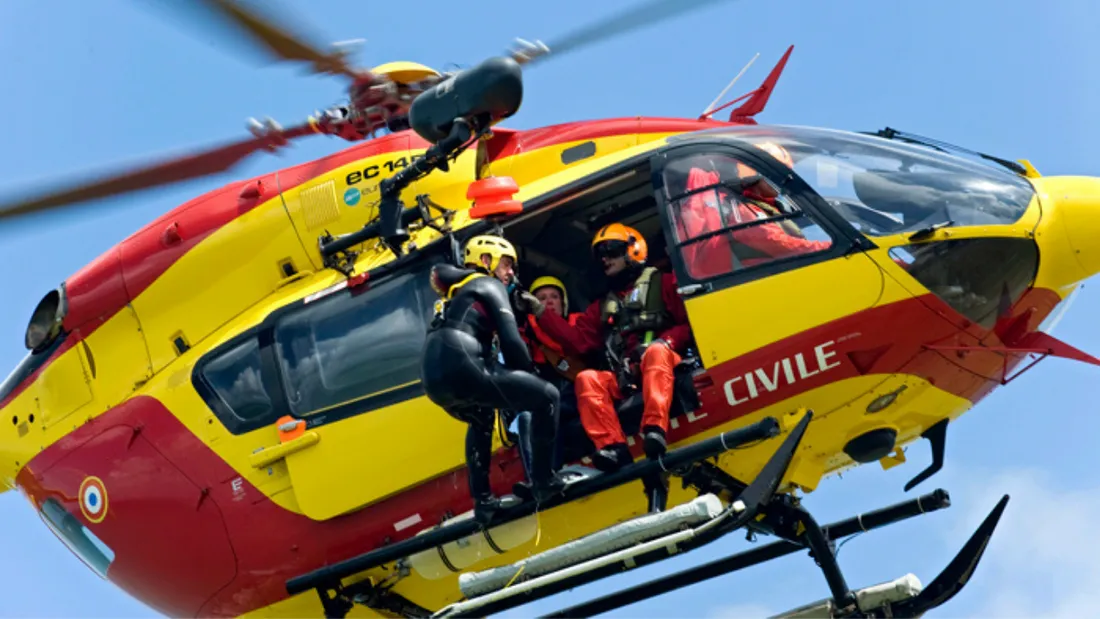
(222, 414)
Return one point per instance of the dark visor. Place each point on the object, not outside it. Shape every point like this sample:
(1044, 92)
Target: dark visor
(610, 249)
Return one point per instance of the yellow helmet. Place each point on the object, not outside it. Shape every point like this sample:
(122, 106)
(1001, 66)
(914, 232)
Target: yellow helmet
(549, 280)
(496, 247)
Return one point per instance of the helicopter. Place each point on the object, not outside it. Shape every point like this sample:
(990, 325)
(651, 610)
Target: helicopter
(130, 380)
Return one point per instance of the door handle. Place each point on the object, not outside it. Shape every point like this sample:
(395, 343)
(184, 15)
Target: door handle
(267, 456)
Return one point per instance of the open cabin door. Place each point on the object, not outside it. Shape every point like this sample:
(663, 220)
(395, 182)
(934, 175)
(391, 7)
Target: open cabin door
(762, 274)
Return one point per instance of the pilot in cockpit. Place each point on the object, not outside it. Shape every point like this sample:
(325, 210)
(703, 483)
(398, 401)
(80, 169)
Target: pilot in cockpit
(712, 210)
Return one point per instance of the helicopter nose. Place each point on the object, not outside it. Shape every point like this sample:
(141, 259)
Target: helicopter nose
(1069, 231)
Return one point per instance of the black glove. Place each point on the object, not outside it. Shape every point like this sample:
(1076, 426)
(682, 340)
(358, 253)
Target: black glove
(528, 303)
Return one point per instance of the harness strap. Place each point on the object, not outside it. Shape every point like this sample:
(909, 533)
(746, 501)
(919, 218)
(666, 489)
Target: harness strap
(469, 278)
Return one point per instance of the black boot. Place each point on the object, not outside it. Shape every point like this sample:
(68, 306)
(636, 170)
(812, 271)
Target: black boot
(523, 430)
(612, 458)
(656, 492)
(545, 480)
(479, 444)
(654, 442)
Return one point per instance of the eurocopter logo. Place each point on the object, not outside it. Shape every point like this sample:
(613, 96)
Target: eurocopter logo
(784, 372)
(351, 196)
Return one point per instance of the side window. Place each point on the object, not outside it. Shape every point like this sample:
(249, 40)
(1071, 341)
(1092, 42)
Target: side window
(718, 230)
(77, 538)
(236, 379)
(347, 347)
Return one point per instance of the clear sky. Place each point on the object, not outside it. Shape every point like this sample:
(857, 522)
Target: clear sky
(91, 84)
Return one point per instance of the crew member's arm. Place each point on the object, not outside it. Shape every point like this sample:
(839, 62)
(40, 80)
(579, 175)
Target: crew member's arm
(492, 293)
(771, 238)
(578, 339)
(679, 334)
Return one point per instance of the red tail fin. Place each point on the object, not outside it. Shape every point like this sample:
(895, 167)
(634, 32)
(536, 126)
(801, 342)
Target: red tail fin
(759, 97)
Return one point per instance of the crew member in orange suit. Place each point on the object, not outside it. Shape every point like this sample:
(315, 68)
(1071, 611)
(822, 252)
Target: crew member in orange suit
(648, 323)
(546, 351)
(702, 212)
(552, 363)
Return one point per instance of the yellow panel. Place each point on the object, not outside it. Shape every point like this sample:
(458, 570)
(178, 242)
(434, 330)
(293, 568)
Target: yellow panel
(21, 434)
(788, 303)
(120, 358)
(63, 386)
(371, 456)
(235, 267)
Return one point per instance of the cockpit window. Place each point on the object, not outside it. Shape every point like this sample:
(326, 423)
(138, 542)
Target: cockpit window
(980, 278)
(885, 187)
(719, 229)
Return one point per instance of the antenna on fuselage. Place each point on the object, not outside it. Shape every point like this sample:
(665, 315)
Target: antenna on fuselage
(710, 108)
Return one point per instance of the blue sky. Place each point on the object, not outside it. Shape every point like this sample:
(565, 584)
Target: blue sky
(88, 85)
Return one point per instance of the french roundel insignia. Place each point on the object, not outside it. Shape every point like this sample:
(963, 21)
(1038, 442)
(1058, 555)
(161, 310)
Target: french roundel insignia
(93, 499)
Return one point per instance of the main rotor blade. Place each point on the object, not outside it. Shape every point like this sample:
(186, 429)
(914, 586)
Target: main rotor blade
(623, 22)
(274, 34)
(168, 172)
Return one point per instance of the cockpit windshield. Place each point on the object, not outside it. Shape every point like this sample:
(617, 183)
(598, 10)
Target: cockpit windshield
(884, 187)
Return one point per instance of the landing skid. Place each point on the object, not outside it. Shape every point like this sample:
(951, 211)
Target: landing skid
(655, 537)
(900, 598)
(338, 599)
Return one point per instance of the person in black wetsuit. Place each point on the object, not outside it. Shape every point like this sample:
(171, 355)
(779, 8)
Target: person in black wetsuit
(461, 372)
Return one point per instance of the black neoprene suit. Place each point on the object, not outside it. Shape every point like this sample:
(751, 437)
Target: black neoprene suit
(461, 374)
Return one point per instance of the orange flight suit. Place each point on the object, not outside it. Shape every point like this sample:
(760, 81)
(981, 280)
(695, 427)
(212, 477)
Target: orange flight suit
(598, 390)
(714, 256)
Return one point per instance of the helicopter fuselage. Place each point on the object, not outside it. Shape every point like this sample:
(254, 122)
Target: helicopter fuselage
(131, 454)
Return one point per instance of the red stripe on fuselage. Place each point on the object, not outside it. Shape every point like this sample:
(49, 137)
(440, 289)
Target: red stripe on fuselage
(271, 545)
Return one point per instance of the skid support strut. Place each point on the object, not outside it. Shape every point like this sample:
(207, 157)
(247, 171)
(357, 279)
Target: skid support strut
(740, 512)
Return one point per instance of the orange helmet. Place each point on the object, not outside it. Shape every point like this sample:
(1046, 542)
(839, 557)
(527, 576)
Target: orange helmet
(618, 240)
(772, 149)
